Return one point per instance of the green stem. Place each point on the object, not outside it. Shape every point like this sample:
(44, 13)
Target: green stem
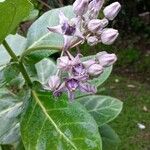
(10, 51)
(21, 66)
(32, 49)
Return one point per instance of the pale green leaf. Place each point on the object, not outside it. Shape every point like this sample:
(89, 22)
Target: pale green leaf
(17, 44)
(45, 68)
(12, 12)
(103, 108)
(10, 109)
(50, 124)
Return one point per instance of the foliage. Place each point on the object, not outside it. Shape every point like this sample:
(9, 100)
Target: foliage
(45, 121)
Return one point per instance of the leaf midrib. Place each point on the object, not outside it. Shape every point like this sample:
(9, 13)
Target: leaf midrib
(52, 121)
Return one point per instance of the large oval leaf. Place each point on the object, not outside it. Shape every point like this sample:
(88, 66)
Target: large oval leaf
(12, 12)
(49, 124)
(45, 68)
(103, 108)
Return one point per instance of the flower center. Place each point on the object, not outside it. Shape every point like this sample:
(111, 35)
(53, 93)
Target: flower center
(68, 29)
(72, 84)
(78, 69)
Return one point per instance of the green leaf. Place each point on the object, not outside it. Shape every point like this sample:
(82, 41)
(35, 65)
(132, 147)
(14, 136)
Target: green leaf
(38, 34)
(17, 43)
(50, 124)
(103, 108)
(11, 71)
(10, 109)
(110, 139)
(12, 13)
(45, 68)
(33, 15)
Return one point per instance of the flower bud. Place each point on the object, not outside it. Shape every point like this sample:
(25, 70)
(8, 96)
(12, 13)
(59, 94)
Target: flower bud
(88, 63)
(109, 35)
(106, 59)
(63, 63)
(95, 69)
(112, 10)
(96, 5)
(92, 40)
(53, 83)
(80, 7)
(96, 24)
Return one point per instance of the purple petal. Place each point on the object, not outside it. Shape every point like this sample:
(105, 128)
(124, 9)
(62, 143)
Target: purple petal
(78, 69)
(87, 88)
(59, 91)
(72, 84)
(55, 29)
(62, 18)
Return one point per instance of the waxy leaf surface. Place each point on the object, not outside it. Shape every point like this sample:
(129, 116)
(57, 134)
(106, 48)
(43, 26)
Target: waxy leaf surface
(50, 124)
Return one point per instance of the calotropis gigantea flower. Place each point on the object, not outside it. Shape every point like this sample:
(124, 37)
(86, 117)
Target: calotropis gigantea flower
(106, 59)
(53, 83)
(109, 35)
(73, 73)
(68, 28)
(64, 63)
(71, 85)
(80, 7)
(112, 10)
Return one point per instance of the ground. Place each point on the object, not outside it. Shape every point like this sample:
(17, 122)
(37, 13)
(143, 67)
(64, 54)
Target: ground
(136, 98)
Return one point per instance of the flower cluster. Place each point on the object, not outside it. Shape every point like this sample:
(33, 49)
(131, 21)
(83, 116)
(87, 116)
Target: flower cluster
(73, 73)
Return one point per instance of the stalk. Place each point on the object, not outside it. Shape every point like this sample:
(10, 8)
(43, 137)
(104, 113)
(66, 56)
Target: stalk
(20, 64)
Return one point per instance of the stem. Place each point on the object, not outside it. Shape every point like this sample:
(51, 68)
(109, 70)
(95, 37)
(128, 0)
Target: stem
(25, 74)
(32, 49)
(10, 51)
(21, 66)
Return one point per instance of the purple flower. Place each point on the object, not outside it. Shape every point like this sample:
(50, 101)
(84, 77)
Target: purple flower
(78, 70)
(71, 85)
(67, 29)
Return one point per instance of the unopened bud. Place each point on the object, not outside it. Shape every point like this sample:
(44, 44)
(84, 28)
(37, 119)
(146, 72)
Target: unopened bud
(112, 10)
(109, 35)
(92, 40)
(96, 24)
(88, 63)
(95, 69)
(106, 59)
(80, 7)
(54, 83)
(63, 63)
